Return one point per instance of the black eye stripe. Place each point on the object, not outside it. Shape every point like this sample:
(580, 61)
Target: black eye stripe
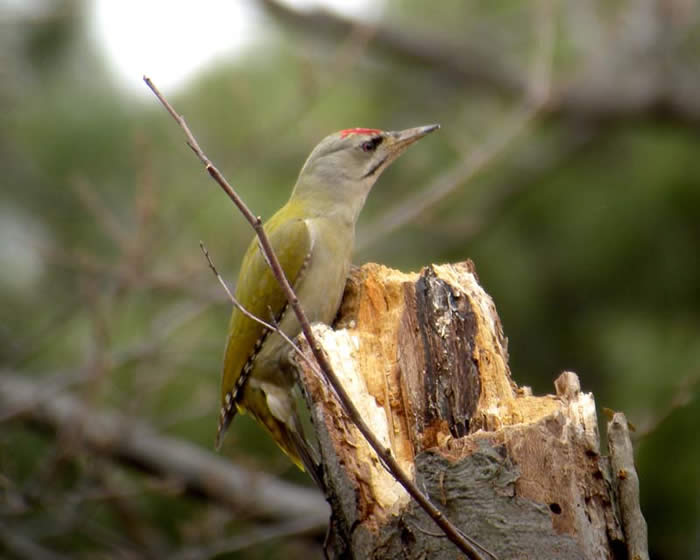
(375, 167)
(371, 145)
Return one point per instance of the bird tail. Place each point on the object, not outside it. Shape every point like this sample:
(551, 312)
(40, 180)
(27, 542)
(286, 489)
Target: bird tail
(226, 415)
(289, 437)
(269, 403)
(308, 457)
(275, 408)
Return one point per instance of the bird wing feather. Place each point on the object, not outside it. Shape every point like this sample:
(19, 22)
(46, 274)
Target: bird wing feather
(259, 293)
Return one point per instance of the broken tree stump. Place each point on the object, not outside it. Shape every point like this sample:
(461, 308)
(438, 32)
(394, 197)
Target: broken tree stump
(424, 358)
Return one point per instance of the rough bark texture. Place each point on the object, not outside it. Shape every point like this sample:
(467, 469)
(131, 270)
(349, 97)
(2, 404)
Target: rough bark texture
(425, 360)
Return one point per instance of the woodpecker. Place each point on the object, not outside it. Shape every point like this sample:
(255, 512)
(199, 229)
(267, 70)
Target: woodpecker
(313, 236)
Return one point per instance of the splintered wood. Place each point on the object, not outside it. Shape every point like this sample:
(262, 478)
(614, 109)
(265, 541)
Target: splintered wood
(424, 358)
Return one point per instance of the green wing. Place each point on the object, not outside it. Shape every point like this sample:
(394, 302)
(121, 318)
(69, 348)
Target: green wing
(258, 291)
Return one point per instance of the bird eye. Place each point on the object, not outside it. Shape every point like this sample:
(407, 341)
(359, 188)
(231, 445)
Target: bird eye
(371, 144)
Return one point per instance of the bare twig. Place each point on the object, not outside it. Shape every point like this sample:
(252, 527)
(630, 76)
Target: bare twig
(134, 527)
(15, 543)
(463, 542)
(597, 95)
(684, 394)
(537, 96)
(449, 181)
(104, 216)
(270, 326)
(135, 444)
(163, 326)
(536, 161)
(296, 527)
(298, 116)
(32, 344)
(94, 265)
(475, 65)
(539, 84)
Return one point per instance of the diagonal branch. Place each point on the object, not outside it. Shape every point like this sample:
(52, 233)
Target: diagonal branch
(464, 63)
(536, 97)
(607, 93)
(253, 537)
(467, 545)
(269, 326)
(136, 444)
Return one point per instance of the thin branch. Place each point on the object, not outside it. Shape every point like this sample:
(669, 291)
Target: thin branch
(296, 527)
(462, 541)
(447, 182)
(103, 214)
(298, 117)
(684, 394)
(270, 326)
(22, 546)
(162, 327)
(538, 159)
(594, 94)
(475, 65)
(134, 527)
(137, 445)
(539, 84)
(89, 263)
(537, 95)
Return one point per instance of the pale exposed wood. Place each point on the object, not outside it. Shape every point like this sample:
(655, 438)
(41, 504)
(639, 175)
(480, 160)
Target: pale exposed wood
(627, 486)
(424, 358)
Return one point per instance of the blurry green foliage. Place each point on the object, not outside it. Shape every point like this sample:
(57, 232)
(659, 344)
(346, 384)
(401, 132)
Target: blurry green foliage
(591, 257)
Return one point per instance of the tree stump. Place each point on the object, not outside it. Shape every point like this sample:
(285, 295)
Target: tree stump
(424, 358)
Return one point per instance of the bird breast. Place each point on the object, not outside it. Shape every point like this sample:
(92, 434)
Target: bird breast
(319, 288)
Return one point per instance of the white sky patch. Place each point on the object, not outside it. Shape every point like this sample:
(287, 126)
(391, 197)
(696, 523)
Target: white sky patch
(170, 41)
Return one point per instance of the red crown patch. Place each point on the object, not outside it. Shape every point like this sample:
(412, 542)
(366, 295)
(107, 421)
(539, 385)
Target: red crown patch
(348, 131)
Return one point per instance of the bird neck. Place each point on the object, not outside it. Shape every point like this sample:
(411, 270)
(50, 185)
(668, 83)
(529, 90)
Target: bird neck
(336, 204)
(342, 212)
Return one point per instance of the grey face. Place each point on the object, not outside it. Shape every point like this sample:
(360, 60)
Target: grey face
(360, 154)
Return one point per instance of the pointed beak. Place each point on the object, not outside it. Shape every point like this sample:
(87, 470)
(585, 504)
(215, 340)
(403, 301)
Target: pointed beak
(394, 144)
(404, 138)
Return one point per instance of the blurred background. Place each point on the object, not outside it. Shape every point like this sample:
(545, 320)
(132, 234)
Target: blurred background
(567, 168)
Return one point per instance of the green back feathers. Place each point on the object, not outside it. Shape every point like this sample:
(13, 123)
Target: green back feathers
(259, 292)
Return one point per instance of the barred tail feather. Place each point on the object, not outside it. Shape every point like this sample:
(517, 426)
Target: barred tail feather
(226, 415)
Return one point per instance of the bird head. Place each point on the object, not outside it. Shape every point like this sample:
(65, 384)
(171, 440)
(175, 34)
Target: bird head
(343, 167)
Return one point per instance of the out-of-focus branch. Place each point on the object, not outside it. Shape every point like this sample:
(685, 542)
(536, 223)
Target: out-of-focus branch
(92, 264)
(253, 537)
(448, 181)
(686, 391)
(162, 327)
(103, 214)
(464, 63)
(630, 87)
(525, 171)
(22, 547)
(535, 98)
(135, 444)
